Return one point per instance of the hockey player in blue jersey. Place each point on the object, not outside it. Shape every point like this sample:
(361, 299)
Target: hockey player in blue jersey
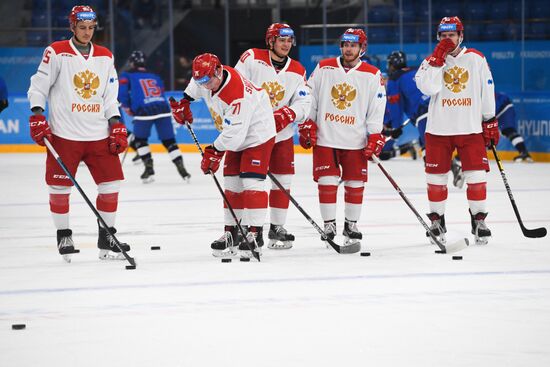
(141, 94)
(507, 123)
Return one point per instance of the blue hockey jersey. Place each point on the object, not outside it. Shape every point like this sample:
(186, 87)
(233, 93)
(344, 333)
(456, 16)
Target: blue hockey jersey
(142, 93)
(404, 97)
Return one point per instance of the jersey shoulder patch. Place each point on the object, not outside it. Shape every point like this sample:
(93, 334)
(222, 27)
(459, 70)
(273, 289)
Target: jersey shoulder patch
(101, 51)
(473, 50)
(62, 47)
(332, 62)
(367, 68)
(234, 89)
(296, 67)
(261, 54)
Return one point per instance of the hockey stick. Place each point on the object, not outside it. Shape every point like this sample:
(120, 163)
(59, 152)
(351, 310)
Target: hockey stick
(130, 140)
(530, 233)
(73, 180)
(238, 222)
(454, 247)
(341, 250)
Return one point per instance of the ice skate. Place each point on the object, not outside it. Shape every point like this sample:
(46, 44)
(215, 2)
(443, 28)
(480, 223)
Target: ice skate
(523, 157)
(437, 228)
(279, 238)
(353, 237)
(330, 231)
(255, 237)
(182, 171)
(458, 175)
(108, 249)
(227, 244)
(479, 228)
(148, 175)
(65, 244)
(137, 159)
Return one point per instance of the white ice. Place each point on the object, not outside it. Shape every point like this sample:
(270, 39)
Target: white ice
(308, 306)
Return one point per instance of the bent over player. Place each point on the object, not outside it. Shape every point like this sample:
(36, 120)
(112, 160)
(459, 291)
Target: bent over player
(79, 81)
(344, 128)
(461, 116)
(243, 114)
(284, 80)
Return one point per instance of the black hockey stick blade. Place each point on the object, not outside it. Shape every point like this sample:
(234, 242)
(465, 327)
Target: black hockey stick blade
(534, 233)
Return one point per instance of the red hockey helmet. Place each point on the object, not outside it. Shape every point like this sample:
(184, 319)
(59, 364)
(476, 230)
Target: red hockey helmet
(450, 24)
(279, 30)
(82, 13)
(206, 66)
(356, 35)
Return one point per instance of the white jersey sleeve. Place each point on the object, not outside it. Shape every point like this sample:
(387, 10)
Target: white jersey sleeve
(429, 79)
(45, 77)
(488, 104)
(300, 102)
(376, 106)
(111, 94)
(314, 93)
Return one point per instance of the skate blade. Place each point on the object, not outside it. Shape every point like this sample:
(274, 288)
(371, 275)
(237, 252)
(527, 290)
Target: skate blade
(248, 253)
(148, 180)
(482, 241)
(442, 240)
(67, 255)
(350, 247)
(457, 246)
(110, 255)
(229, 252)
(279, 245)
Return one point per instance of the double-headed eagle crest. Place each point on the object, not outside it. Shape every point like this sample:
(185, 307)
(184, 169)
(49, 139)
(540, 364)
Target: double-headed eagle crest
(217, 119)
(86, 84)
(455, 79)
(275, 91)
(342, 95)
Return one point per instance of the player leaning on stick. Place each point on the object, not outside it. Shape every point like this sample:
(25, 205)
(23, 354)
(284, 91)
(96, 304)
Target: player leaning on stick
(344, 129)
(79, 81)
(461, 116)
(284, 80)
(243, 114)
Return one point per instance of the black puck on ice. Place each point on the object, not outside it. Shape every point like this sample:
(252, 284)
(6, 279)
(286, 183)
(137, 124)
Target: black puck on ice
(440, 252)
(245, 259)
(226, 260)
(155, 247)
(457, 257)
(130, 267)
(365, 253)
(18, 326)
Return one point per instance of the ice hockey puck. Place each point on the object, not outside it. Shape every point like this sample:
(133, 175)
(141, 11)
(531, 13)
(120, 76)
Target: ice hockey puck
(440, 252)
(155, 247)
(18, 326)
(226, 260)
(245, 259)
(130, 267)
(365, 253)
(457, 257)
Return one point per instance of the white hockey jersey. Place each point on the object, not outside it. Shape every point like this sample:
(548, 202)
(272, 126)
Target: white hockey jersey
(346, 105)
(462, 93)
(285, 88)
(81, 93)
(239, 109)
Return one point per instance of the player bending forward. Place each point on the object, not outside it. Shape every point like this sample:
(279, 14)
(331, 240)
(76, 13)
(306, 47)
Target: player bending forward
(79, 81)
(348, 103)
(461, 116)
(243, 114)
(284, 81)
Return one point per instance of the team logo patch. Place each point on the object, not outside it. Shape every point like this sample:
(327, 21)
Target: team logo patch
(275, 91)
(217, 119)
(485, 160)
(256, 162)
(455, 79)
(86, 84)
(342, 95)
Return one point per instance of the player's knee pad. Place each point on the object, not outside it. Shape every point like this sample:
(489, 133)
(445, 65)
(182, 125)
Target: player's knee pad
(253, 184)
(354, 184)
(474, 177)
(170, 144)
(110, 187)
(284, 180)
(437, 178)
(328, 180)
(140, 143)
(232, 183)
(59, 190)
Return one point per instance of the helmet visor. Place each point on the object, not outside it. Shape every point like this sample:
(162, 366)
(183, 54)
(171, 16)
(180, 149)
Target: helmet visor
(86, 16)
(202, 81)
(349, 38)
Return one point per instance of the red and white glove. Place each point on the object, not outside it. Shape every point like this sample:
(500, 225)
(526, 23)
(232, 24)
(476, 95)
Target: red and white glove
(441, 51)
(181, 111)
(40, 129)
(490, 132)
(211, 159)
(283, 117)
(374, 145)
(308, 134)
(118, 138)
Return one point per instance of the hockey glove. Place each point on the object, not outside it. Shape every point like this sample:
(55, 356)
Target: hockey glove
(181, 111)
(308, 134)
(283, 117)
(211, 159)
(374, 145)
(441, 51)
(118, 138)
(40, 129)
(490, 132)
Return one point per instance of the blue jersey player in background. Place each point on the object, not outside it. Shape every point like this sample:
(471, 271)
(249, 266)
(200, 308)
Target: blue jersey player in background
(141, 94)
(508, 125)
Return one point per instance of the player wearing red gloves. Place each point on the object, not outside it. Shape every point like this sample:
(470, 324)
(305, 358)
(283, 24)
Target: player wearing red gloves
(461, 116)
(78, 80)
(349, 101)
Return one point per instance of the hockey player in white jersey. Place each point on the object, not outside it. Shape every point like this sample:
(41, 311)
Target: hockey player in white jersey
(461, 116)
(344, 128)
(284, 79)
(243, 114)
(78, 80)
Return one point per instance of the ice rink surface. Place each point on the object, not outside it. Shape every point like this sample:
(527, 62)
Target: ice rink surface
(308, 306)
